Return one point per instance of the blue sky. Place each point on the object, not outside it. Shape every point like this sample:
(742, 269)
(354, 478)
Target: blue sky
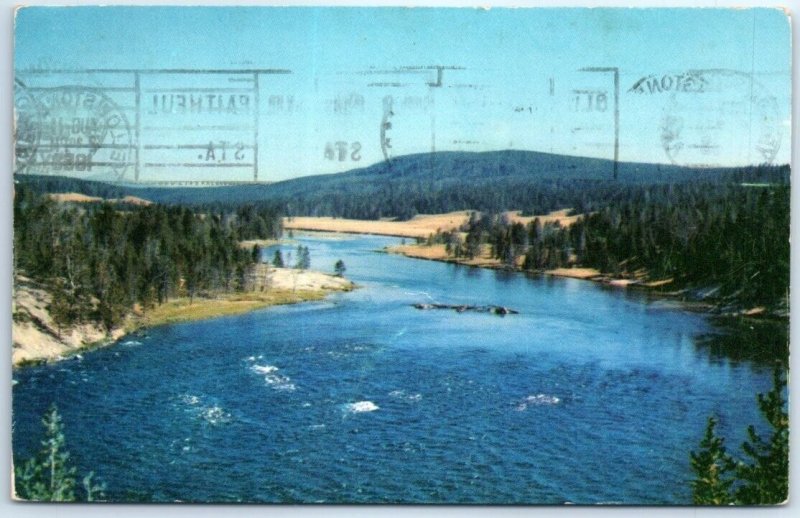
(511, 79)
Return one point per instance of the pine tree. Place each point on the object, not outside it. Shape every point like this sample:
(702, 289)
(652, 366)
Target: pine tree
(49, 477)
(712, 466)
(61, 307)
(303, 258)
(766, 479)
(339, 268)
(277, 261)
(92, 491)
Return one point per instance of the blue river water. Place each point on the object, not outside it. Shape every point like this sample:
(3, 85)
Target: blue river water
(588, 395)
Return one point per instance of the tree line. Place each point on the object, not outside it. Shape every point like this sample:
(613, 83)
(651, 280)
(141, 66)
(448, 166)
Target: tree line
(535, 183)
(98, 260)
(432, 183)
(730, 241)
(403, 199)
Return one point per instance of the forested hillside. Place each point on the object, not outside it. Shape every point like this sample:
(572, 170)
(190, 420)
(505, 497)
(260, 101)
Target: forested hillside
(437, 182)
(98, 260)
(535, 183)
(723, 231)
(730, 242)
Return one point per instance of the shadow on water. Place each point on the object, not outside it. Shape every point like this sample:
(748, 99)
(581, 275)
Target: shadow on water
(471, 271)
(505, 276)
(763, 342)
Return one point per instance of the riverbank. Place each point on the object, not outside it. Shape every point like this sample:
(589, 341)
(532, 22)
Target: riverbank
(438, 252)
(690, 299)
(424, 225)
(37, 338)
(484, 259)
(659, 287)
(420, 226)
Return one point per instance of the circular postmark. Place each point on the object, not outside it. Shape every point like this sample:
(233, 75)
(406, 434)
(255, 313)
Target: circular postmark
(27, 128)
(82, 131)
(731, 119)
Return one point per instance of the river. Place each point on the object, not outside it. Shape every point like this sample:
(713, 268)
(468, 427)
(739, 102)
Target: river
(588, 395)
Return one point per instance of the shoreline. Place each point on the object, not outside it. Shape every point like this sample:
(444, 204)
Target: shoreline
(419, 227)
(49, 345)
(651, 288)
(580, 273)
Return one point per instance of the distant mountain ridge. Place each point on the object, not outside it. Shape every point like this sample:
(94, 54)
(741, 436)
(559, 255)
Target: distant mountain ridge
(435, 182)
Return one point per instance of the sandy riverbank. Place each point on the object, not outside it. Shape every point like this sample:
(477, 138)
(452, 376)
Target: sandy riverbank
(75, 197)
(437, 252)
(424, 225)
(485, 260)
(420, 226)
(637, 280)
(36, 337)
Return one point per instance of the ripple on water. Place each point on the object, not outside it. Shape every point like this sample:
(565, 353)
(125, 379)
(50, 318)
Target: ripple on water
(360, 407)
(208, 412)
(272, 378)
(428, 416)
(401, 395)
(538, 400)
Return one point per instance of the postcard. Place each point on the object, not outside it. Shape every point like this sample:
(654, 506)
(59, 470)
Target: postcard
(373, 255)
